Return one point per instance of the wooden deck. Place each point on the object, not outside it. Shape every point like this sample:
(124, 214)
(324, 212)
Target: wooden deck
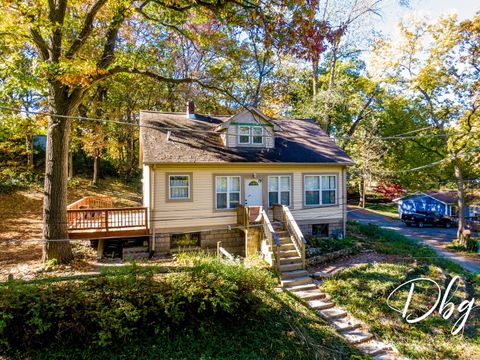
(94, 217)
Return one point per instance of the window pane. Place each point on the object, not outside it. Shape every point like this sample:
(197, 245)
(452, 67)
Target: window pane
(244, 130)
(328, 197)
(285, 183)
(273, 183)
(328, 182)
(312, 182)
(179, 180)
(257, 130)
(179, 193)
(222, 201)
(244, 139)
(272, 198)
(234, 200)
(234, 183)
(312, 197)
(221, 184)
(257, 135)
(285, 198)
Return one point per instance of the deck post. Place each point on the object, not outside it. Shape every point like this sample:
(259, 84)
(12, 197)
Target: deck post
(106, 221)
(100, 249)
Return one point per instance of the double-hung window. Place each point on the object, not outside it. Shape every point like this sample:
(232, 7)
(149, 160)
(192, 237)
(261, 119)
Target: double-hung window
(244, 134)
(179, 187)
(320, 189)
(279, 190)
(250, 135)
(257, 135)
(227, 192)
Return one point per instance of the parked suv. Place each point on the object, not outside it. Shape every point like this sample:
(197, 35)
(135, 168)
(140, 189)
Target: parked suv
(473, 223)
(422, 218)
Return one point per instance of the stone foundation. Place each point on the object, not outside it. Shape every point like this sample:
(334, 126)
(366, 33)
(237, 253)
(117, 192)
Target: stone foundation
(333, 226)
(232, 240)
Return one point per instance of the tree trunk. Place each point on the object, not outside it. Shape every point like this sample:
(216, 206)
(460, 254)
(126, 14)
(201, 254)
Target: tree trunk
(56, 173)
(96, 168)
(314, 76)
(361, 190)
(29, 146)
(461, 203)
(70, 165)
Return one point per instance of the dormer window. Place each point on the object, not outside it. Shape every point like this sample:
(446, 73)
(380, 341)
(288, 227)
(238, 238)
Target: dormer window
(250, 135)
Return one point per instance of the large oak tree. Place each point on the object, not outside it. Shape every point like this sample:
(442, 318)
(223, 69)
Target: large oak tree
(78, 44)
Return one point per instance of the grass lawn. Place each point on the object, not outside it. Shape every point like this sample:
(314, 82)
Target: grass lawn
(363, 291)
(390, 210)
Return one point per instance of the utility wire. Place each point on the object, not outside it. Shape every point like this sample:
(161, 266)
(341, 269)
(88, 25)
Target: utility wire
(202, 131)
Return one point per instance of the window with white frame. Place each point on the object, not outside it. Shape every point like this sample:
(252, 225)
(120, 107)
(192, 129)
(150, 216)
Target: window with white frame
(179, 187)
(227, 192)
(320, 189)
(257, 135)
(279, 190)
(244, 134)
(250, 135)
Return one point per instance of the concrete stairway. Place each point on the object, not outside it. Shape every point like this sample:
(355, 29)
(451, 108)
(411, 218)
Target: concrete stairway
(298, 281)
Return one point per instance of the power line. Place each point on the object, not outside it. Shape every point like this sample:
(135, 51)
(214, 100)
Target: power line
(202, 131)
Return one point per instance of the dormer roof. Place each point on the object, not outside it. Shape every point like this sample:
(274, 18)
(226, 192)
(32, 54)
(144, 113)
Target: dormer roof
(254, 111)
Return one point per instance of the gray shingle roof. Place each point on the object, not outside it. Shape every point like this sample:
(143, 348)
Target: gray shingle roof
(299, 141)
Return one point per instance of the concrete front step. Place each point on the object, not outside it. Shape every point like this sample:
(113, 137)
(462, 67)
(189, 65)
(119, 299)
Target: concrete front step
(302, 287)
(320, 304)
(294, 273)
(290, 267)
(333, 313)
(357, 336)
(301, 280)
(374, 347)
(311, 294)
(291, 260)
(345, 324)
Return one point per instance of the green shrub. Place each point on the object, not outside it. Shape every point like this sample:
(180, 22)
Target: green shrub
(12, 180)
(120, 305)
(322, 245)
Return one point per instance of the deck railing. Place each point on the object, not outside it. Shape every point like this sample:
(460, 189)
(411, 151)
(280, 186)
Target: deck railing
(92, 202)
(243, 215)
(282, 213)
(106, 220)
(271, 242)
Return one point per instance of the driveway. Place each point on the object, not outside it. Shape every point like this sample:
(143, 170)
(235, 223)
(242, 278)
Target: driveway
(435, 237)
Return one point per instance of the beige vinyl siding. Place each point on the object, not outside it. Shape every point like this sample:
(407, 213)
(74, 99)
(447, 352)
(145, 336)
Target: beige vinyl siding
(146, 185)
(201, 214)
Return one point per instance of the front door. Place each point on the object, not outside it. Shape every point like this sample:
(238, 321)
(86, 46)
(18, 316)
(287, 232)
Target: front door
(253, 192)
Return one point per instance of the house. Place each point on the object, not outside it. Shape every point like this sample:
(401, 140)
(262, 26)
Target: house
(241, 180)
(442, 201)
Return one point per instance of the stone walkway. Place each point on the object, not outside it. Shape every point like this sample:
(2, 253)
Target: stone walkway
(352, 330)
